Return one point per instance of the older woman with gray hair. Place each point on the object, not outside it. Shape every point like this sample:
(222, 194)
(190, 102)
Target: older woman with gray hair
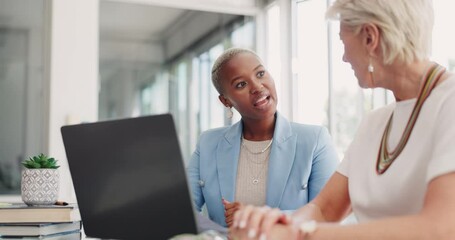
(263, 159)
(398, 175)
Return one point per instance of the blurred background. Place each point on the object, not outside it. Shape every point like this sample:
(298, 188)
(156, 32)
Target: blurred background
(73, 61)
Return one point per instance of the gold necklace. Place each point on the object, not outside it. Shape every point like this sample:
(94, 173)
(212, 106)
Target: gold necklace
(255, 178)
(262, 151)
(386, 158)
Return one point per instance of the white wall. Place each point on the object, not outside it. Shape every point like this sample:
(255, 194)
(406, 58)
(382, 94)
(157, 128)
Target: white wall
(73, 75)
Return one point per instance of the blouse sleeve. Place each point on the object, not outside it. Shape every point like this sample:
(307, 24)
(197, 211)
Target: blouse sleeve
(324, 163)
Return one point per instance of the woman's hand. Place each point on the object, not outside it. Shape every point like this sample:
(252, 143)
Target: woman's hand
(253, 222)
(277, 232)
(229, 210)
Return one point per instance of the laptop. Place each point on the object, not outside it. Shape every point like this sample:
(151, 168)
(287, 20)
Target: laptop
(129, 178)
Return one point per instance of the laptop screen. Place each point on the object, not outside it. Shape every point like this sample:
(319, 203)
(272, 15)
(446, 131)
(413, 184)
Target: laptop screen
(129, 178)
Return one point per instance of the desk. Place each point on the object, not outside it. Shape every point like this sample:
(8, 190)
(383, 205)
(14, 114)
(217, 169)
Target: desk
(209, 231)
(202, 236)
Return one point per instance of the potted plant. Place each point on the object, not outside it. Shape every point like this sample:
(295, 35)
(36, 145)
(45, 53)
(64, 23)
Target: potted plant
(40, 180)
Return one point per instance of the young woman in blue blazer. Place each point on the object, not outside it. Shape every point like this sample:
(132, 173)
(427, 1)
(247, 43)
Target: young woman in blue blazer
(263, 159)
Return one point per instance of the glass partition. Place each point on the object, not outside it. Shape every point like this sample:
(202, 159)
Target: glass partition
(157, 59)
(21, 88)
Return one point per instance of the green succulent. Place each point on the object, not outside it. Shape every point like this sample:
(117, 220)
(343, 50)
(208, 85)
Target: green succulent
(40, 161)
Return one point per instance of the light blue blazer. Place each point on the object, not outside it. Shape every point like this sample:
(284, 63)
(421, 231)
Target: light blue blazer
(302, 159)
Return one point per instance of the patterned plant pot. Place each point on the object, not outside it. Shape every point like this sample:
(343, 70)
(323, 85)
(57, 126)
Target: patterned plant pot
(40, 186)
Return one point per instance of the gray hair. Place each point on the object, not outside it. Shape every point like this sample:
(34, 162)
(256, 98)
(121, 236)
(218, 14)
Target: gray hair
(406, 25)
(225, 57)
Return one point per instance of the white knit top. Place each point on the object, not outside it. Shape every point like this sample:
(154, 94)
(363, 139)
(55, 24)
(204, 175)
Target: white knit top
(252, 172)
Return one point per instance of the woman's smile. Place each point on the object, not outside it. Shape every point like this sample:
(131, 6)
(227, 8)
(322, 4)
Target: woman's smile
(261, 101)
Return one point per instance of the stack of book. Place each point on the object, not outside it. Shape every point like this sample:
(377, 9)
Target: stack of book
(50, 222)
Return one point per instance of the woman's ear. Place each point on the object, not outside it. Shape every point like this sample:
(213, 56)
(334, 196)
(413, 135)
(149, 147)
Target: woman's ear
(224, 101)
(371, 37)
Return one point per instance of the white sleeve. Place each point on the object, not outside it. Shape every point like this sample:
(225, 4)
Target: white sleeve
(443, 152)
(343, 167)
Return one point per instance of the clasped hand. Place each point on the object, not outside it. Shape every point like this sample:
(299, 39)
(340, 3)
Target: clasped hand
(262, 223)
(229, 209)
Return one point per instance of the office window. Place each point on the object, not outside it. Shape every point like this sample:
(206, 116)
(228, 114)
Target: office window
(312, 90)
(242, 36)
(211, 110)
(181, 80)
(154, 96)
(350, 102)
(202, 68)
(150, 67)
(273, 44)
(444, 43)
(145, 98)
(22, 88)
(205, 105)
(327, 92)
(216, 107)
